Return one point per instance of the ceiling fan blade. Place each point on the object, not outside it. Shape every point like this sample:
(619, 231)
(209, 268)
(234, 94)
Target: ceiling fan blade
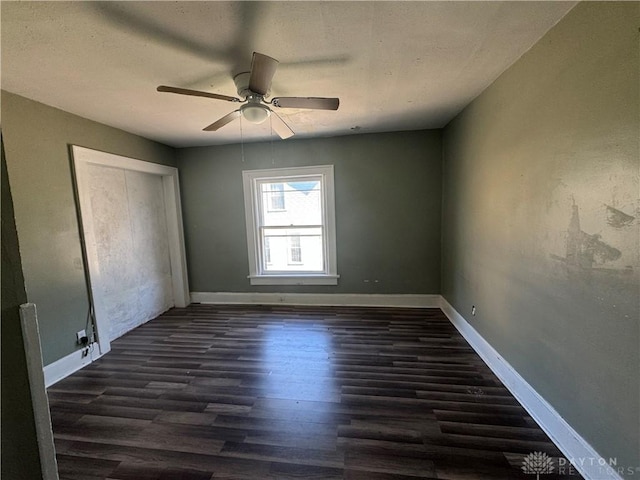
(230, 117)
(315, 103)
(263, 68)
(281, 128)
(196, 93)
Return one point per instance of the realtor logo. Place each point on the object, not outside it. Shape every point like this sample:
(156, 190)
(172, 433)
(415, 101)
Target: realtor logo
(537, 463)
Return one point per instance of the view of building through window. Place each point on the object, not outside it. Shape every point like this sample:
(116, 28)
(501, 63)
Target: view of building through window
(290, 225)
(276, 196)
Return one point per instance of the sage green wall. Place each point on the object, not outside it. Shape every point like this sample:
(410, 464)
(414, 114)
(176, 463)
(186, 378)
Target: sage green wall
(37, 139)
(20, 456)
(555, 140)
(388, 201)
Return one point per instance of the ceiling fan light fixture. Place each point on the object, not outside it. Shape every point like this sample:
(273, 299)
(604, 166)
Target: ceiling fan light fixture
(255, 113)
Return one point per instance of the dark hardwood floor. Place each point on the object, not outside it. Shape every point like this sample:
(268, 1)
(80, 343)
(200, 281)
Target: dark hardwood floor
(251, 393)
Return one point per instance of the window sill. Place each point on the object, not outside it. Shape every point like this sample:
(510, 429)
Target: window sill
(294, 279)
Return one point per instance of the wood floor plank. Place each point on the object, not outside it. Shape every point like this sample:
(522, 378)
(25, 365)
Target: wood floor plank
(186, 418)
(241, 392)
(385, 463)
(149, 471)
(368, 475)
(72, 467)
(278, 453)
(289, 471)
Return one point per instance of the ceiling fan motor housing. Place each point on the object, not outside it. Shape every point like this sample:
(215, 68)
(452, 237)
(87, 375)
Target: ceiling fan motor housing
(242, 85)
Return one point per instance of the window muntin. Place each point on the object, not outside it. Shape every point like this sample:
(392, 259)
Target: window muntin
(295, 243)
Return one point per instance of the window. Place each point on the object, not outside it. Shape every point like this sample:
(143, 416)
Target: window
(294, 245)
(295, 250)
(267, 251)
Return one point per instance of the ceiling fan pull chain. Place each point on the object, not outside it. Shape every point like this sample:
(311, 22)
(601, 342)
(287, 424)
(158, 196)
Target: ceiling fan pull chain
(273, 160)
(241, 140)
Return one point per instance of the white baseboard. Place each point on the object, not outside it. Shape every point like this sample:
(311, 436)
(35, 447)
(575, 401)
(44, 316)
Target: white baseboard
(319, 299)
(585, 459)
(56, 371)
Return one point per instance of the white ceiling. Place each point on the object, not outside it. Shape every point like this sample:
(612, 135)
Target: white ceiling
(394, 65)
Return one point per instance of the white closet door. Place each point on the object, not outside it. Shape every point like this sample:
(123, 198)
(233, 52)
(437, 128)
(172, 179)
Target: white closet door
(132, 247)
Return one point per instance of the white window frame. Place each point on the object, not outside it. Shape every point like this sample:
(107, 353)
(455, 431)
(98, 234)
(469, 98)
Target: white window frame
(257, 275)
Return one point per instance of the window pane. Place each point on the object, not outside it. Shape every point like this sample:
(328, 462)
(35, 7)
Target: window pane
(293, 249)
(293, 202)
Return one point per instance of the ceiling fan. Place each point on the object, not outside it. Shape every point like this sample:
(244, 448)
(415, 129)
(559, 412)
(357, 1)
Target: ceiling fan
(254, 86)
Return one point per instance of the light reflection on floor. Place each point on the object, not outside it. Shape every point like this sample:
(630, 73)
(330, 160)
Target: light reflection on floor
(293, 354)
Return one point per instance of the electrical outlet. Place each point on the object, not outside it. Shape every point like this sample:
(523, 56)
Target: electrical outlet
(81, 337)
